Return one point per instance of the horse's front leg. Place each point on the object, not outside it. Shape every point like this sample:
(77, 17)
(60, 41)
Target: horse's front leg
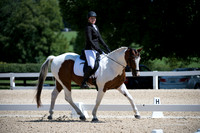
(122, 89)
(98, 101)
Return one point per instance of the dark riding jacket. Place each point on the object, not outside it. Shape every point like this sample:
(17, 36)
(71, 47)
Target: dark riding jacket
(93, 38)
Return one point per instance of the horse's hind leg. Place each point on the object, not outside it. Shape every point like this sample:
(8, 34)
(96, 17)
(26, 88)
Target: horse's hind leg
(68, 98)
(54, 95)
(122, 89)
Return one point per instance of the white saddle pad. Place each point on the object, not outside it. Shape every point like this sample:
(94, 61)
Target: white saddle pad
(78, 67)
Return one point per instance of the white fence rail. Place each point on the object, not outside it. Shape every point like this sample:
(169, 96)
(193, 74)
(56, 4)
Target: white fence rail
(12, 77)
(89, 107)
(154, 74)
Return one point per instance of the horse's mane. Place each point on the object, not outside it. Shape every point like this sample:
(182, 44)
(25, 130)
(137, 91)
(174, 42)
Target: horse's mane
(119, 49)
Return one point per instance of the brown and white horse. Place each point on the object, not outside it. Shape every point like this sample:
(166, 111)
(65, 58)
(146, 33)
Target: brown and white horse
(111, 75)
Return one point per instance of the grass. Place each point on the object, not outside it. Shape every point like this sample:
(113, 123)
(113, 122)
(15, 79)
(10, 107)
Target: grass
(168, 64)
(6, 83)
(71, 36)
(31, 83)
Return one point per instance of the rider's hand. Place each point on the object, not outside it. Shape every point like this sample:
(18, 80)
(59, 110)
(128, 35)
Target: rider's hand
(100, 51)
(108, 50)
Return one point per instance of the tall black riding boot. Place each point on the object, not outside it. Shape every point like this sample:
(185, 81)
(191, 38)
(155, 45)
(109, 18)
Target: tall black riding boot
(86, 76)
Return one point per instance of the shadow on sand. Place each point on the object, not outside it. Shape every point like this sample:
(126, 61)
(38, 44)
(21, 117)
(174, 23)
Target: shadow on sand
(63, 118)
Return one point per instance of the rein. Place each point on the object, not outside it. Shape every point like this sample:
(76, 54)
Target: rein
(114, 61)
(131, 54)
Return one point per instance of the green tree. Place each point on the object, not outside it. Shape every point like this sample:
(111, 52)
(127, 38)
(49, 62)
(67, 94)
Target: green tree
(161, 27)
(30, 30)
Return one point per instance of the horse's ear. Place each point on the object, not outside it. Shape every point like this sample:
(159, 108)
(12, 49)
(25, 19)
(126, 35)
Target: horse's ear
(139, 50)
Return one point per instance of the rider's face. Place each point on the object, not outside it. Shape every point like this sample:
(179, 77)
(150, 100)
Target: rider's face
(92, 20)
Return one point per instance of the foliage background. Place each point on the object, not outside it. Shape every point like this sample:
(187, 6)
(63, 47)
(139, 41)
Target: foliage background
(30, 30)
(164, 28)
(167, 30)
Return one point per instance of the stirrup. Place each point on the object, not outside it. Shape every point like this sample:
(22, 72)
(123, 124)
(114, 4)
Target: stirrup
(84, 86)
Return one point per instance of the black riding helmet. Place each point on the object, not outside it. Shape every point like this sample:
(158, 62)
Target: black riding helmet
(92, 14)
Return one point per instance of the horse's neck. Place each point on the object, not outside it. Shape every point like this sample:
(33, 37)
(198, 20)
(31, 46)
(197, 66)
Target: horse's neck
(119, 55)
(118, 58)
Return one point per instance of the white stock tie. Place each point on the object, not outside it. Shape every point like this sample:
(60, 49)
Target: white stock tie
(95, 27)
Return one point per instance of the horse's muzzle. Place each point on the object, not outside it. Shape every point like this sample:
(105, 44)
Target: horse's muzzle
(136, 73)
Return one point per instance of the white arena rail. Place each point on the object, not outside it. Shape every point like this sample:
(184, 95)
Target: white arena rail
(12, 77)
(157, 110)
(155, 75)
(89, 107)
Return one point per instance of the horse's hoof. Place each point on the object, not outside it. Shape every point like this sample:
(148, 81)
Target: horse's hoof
(95, 120)
(49, 117)
(82, 118)
(137, 116)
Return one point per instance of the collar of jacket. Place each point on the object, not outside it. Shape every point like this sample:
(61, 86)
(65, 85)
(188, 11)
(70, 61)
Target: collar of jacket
(89, 24)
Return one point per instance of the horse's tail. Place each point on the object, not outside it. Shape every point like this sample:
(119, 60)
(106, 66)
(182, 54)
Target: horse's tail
(42, 77)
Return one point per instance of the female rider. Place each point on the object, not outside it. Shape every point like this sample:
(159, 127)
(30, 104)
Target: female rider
(93, 38)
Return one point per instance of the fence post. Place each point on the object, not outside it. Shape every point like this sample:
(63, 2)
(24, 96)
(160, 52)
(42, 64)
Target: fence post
(12, 81)
(155, 81)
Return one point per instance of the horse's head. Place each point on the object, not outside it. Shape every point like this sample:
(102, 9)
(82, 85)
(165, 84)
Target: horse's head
(132, 58)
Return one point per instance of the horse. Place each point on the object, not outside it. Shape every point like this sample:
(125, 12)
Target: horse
(111, 75)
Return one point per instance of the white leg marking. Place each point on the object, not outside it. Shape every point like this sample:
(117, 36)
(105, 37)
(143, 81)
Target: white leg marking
(122, 89)
(98, 101)
(54, 95)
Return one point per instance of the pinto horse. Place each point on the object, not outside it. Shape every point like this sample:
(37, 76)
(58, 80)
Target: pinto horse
(111, 75)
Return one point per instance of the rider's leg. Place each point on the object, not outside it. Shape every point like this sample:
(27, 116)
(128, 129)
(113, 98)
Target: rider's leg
(91, 57)
(86, 77)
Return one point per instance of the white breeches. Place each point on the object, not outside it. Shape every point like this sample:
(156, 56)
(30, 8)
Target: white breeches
(91, 57)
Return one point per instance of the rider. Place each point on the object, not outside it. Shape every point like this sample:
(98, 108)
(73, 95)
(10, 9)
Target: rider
(93, 38)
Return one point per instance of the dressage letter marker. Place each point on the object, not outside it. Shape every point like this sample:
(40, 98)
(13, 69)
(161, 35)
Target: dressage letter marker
(157, 114)
(157, 131)
(156, 100)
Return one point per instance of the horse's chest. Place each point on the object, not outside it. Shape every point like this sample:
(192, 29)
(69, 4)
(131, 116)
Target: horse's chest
(116, 82)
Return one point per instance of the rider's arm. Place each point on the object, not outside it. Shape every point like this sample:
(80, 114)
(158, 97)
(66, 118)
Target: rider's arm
(103, 43)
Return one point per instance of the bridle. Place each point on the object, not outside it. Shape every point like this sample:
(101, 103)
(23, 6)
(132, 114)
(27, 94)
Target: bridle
(130, 60)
